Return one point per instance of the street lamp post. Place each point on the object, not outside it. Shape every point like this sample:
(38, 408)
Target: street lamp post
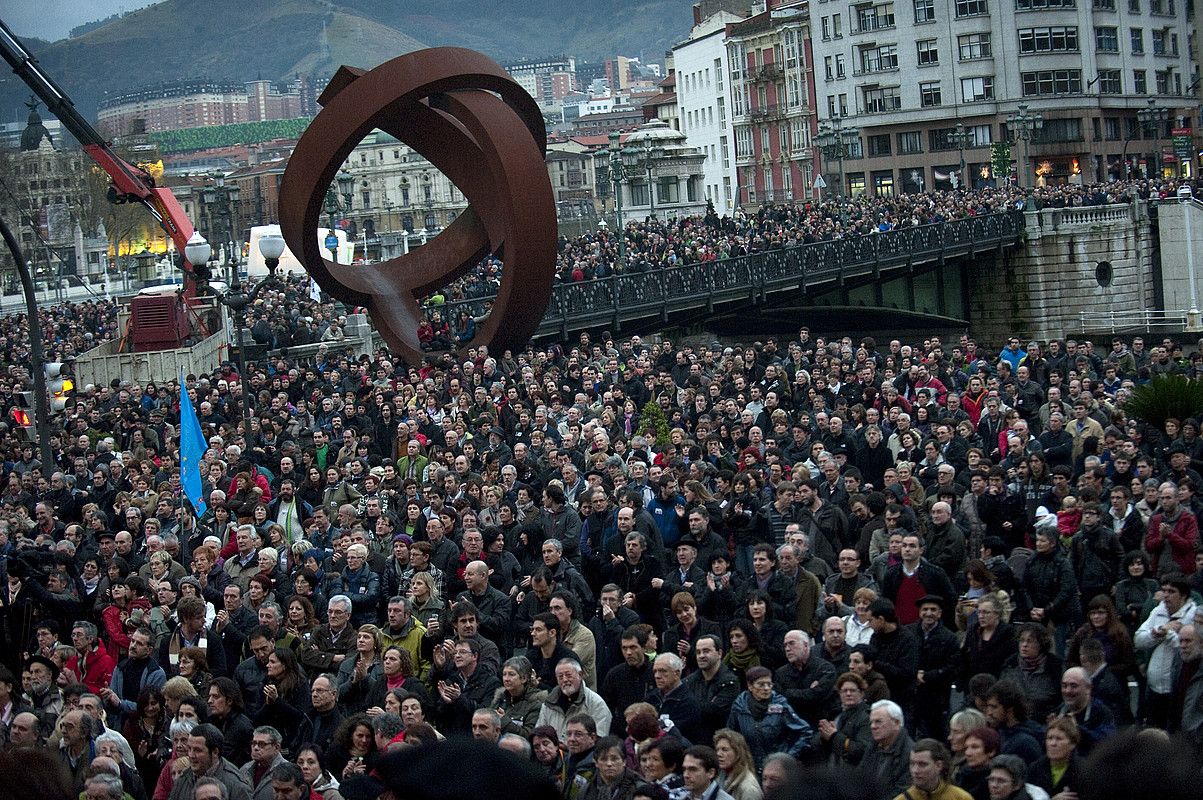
(835, 141)
(1153, 118)
(220, 202)
(1022, 126)
(618, 176)
(961, 137)
(239, 296)
(339, 198)
(643, 159)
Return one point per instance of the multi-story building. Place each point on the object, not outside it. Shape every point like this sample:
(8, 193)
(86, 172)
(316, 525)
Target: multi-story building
(398, 189)
(702, 104)
(772, 102)
(196, 104)
(905, 73)
(548, 80)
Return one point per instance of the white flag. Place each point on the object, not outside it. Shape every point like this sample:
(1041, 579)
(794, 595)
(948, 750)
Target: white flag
(315, 292)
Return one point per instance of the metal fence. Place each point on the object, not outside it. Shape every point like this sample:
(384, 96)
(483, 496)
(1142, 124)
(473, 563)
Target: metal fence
(662, 291)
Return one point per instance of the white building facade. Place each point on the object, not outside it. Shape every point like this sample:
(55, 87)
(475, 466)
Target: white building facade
(703, 106)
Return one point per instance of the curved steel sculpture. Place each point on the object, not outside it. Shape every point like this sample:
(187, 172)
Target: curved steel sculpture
(463, 113)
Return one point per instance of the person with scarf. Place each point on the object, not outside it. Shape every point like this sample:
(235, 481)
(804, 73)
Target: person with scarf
(767, 721)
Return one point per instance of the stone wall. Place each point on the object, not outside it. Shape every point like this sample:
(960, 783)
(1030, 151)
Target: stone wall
(1174, 272)
(1077, 266)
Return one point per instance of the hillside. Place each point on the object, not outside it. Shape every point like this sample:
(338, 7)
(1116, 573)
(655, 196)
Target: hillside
(247, 39)
(219, 39)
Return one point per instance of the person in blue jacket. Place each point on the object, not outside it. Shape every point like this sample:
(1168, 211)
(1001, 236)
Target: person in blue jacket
(767, 721)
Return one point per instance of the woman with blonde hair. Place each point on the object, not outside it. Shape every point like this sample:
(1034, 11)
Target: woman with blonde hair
(361, 668)
(856, 624)
(738, 775)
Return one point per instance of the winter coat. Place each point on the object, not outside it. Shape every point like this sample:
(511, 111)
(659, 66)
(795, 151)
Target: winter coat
(781, 730)
(1049, 582)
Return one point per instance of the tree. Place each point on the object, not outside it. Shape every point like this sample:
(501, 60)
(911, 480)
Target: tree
(1163, 397)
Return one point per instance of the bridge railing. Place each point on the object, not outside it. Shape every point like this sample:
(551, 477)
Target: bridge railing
(663, 289)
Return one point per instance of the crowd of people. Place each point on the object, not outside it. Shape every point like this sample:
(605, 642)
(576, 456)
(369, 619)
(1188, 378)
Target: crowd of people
(935, 570)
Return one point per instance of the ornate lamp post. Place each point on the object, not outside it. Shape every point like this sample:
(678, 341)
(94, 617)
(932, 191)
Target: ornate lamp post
(618, 176)
(643, 158)
(221, 202)
(1153, 119)
(836, 141)
(1022, 126)
(960, 137)
(339, 199)
(239, 296)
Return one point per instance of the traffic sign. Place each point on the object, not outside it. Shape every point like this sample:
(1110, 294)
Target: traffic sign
(820, 183)
(331, 241)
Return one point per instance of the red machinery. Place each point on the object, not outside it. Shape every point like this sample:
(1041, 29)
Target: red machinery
(130, 183)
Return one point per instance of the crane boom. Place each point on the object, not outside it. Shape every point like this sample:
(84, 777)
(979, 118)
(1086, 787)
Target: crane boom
(131, 184)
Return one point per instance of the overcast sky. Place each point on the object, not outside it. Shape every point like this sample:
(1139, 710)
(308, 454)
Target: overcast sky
(54, 19)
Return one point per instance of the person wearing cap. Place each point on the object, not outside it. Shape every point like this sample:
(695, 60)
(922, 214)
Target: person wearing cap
(939, 660)
(43, 696)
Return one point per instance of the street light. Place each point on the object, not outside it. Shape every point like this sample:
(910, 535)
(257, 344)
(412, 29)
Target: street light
(1153, 118)
(643, 159)
(239, 296)
(618, 176)
(1022, 126)
(835, 141)
(220, 202)
(960, 137)
(340, 199)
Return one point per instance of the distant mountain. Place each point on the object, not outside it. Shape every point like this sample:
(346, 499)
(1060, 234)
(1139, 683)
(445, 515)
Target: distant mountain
(233, 40)
(276, 39)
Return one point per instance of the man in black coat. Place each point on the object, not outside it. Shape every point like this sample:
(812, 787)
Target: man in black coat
(671, 697)
(807, 681)
(607, 626)
(629, 681)
(939, 659)
(713, 684)
(897, 653)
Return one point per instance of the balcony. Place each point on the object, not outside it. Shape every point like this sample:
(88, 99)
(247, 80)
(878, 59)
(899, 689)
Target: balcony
(765, 112)
(769, 72)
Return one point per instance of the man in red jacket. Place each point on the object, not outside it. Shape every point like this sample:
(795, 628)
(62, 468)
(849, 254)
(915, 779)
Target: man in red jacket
(92, 664)
(1173, 534)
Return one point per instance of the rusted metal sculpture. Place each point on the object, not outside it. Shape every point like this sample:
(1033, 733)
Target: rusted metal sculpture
(463, 113)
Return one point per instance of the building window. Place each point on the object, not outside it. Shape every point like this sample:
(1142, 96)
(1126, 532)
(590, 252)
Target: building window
(927, 51)
(1106, 40)
(910, 142)
(875, 18)
(837, 26)
(1050, 39)
(883, 183)
(1104, 5)
(825, 26)
(1165, 7)
(1138, 41)
(1061, 130)
(828, 70)
(1140, 82)
(977, 89)
(1040, 5)
(1110, 82)
(718, 74)
(1048, 82)
(925, 11)
(1161, 78)
(839, 65)
(879, 144)
(797, 135)
(1165, 42)
(929, 94)
(974, 45)
(1133, 6)
(743, 142)
(1111, 129)
(971, 8)
(879, 59)
(882, 99)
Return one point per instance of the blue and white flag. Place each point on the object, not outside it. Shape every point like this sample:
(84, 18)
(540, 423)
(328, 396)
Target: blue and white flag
(192, 449)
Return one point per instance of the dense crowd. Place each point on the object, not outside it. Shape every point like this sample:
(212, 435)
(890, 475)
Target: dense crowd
(937, 569)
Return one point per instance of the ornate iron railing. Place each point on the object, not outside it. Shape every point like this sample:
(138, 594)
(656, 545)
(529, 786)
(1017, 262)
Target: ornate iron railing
(662, 291)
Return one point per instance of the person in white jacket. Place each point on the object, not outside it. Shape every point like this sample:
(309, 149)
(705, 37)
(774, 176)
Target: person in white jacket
(1158, 635)
(570, 697)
